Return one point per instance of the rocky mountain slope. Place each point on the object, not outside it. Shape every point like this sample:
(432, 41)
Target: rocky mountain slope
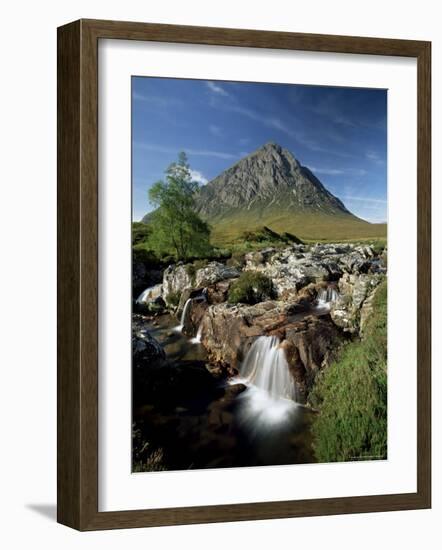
(269, 178)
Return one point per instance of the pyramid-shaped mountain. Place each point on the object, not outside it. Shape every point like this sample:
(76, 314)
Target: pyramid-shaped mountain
(268, 179)
(271, 188)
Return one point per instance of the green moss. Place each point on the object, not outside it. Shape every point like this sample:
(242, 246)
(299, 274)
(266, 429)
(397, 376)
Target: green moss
(191, 272)
(378, 245)
(251, 288)
(237, 260)
(352, 395)
(193, 267)
(173, 299)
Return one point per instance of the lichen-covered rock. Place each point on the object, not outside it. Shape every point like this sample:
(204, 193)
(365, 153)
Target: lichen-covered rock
(213, 273)
(289, 269)
(297, 266)
(355, 289)
(176, 279)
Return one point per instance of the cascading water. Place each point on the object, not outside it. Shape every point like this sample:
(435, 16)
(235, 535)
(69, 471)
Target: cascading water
(197, 339)
(325, 297)
(271, 394)
(180, 327)
(144, 296)
(266, 367)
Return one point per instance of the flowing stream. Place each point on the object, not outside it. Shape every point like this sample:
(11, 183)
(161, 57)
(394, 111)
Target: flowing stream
(265, 366)
(327, 296)
(180, 327)
(199, 334)
(254, 419)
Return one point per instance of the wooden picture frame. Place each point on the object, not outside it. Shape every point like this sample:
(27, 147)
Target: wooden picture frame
(78, 274)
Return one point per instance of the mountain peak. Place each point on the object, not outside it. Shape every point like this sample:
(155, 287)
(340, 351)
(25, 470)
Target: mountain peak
(272, 152)
(271, 145)
(268, 177)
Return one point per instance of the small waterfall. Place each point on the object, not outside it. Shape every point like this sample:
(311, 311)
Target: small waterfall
(144, 296)
(180, 327)
(326, 296)
(197, 339)
(265, 367)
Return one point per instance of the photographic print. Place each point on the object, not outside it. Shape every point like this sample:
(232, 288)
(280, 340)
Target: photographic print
(259, 274)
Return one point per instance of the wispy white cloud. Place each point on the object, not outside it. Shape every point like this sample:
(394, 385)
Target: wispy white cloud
(198, 177)
(262, 117)
(176, 150)
(215, 130)
(230, 103)
(277, 124)
(216, 88)
(155, 99)
(364, 199)
(339, 171)
(374, 157)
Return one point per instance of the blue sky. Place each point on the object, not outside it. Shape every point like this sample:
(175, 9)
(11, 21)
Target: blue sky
(339, 133)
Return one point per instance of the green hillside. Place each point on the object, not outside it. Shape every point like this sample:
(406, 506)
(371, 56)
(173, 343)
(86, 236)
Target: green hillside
(307, 226)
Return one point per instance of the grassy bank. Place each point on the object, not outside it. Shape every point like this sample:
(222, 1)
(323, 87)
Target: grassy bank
(352, 395)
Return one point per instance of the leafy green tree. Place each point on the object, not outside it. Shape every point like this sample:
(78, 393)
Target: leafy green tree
(176, 227)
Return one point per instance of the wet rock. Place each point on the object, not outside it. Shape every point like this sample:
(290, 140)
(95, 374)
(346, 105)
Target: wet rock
(229, 331)
(150, 294)
(145, 349)
(151, 300)
(310, 345)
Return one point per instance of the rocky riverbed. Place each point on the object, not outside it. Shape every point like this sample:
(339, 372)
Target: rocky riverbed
(193, 408)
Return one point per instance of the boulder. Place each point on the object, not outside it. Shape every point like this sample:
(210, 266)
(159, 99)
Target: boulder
(213, 273)
(295, 267)
(218, 293)
(355, 290)
(291, 269)
(145, 349)
(310, 345)
(160, 381)
(229, 331)
(176, 279)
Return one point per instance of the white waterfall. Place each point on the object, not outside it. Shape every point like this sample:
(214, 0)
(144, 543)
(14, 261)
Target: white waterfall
(265, 367)
(180, 327)
(197, 339)
(326, 296)
(145, 295)
(151, 293)
(270, 401)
